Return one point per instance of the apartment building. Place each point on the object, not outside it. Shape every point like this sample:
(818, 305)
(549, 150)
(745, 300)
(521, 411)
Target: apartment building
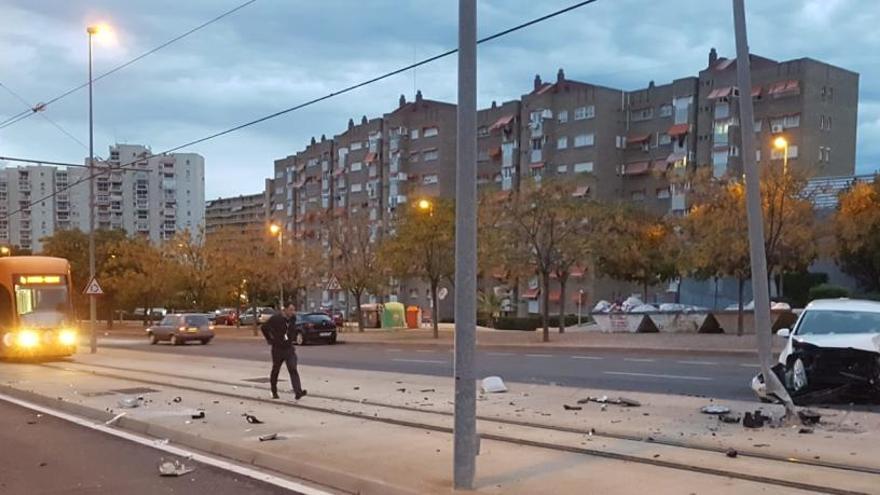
(235, 217)
(611, 144)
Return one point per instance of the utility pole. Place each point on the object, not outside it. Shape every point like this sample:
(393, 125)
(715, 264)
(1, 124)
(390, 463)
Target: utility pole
(93, 308)
(760, 285)
(465, 442)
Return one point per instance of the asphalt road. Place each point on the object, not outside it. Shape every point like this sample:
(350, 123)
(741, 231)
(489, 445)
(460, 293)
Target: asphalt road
(692, 373)
(46, 455)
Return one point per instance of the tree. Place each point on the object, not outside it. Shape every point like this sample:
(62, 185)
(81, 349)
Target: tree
(423, 246)
(545, 221)
(857, 234)
(356, 259)
(140, 275)
(496, 256)
(203, 270)
(637, 246)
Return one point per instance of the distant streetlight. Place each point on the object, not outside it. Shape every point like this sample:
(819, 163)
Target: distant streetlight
(781, 143)
(102, 31)
(276, 230)
(5, 251)
(425, 205)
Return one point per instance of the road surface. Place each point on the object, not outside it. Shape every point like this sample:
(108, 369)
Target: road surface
(42, 454)
(691, 373)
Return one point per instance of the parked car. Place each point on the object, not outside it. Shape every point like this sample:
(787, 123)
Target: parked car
(182, 328)
(314, 327)
(225, 316)
(336, 314)
(262, 316)
(832, 354)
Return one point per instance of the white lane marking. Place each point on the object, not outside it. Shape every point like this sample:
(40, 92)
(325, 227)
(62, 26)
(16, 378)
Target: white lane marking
(393, 350)
(750, 365)
(539, 355)
(430, 361)
(174, 450)
(587, 357)
(639, 360)
(424, 350)
(652, 375)
(501, 354)
(705, 363)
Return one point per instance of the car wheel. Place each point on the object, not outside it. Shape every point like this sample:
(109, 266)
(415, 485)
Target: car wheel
(175, 340)
(153, 339)
(205, 341)
(300, 338)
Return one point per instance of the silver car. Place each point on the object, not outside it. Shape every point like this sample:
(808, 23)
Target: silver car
(182, 328)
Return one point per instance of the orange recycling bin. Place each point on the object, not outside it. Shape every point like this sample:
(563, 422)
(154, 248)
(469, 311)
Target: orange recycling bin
(413, 316)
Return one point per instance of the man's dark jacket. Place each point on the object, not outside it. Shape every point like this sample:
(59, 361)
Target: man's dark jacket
(279, 331)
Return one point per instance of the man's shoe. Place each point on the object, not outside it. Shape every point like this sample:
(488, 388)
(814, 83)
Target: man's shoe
(301, 394)
(275, 396)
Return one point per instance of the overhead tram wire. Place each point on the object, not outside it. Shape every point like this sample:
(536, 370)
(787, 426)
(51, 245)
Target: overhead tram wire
(30, 107)
(27, 113)
(311, 102)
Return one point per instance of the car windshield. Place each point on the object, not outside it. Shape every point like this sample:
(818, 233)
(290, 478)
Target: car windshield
(316, 318)
(838, 322)
(42, 305)
(196, 320)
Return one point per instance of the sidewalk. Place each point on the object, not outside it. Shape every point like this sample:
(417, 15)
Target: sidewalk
(376, 411)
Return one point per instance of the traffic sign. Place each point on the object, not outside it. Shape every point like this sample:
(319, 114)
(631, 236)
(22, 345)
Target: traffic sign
(333, 284)
(93, 288)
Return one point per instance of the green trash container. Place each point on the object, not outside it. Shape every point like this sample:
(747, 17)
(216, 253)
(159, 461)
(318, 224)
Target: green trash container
(394, 315)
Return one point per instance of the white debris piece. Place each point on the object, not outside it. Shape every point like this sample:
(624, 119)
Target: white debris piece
(642, 308)
(130, 402)
(493, 385)
(114, 419)
(174, 468)
(602, 306)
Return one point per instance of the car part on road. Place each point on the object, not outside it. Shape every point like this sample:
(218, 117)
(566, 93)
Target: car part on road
(493, 385)
(174, 468)
(715, 409)
(571, 408)
(130, 402)
(198, 415)
(809, 416)
(250, 418)
(270, 436)
(729, 418)
(732, 453)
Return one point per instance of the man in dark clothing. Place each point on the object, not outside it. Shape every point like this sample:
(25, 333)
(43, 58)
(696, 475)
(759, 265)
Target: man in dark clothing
(280, 333)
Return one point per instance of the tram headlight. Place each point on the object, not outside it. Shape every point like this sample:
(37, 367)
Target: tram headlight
(27, 339)
(67, 337)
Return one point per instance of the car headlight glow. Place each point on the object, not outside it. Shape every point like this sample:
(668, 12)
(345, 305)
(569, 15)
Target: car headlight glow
(27, 339)
(67, 337)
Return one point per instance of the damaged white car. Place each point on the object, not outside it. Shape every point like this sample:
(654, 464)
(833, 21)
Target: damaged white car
(832, 354)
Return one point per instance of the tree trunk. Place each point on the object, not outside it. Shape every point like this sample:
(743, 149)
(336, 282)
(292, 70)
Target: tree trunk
(545, 303)
(715, 298)
(562, 282)
(256, 326)
(112, 308)
(739, 316)
(436, 310)
(645, 292)
(358, 313)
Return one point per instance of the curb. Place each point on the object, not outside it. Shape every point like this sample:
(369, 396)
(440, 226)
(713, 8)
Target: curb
(318, 474)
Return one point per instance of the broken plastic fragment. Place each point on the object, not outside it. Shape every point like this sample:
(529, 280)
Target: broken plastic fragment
(805, 431)
(130, 402)
(493, 385)
(715, 409)
(252, 419)
(176, 399)
(174, 468)
(809, 416)
(426, 390)
(114, 419)
(732, 453)
(729, 418)
(199, 415)
(572, 408)
(270, 436)
(753, 421)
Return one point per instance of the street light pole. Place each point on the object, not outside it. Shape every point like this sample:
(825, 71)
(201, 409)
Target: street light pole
(93, 308)
(465, 428)
(580, 304)
(281, 257)
(757, 253)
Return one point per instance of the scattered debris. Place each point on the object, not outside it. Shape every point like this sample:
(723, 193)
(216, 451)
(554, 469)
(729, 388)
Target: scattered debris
(130, 402)
(357, 388)
(177, 399)
(426, 390)
(805, 431)
(572, 408)
(730, 418)
(174, 468)
(114, 419)
(732, 453)
(755, 419)
(715, 409)
(493, 385)
(44, 464)
(809, 416)
(760, 445)
(270, 436)
(401, 390)
(620, 401)
(198, 415)
(250, 418)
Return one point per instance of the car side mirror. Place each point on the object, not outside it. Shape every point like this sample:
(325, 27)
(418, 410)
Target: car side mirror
(784, 332)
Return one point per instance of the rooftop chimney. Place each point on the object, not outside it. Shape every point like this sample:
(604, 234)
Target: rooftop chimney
(363, 119)
(350, 123)
(494, 105)
(560, 76)
(402, 100)
(538, 82)
(713, 57)
(323, 138)
(418, 96)
(313, 140)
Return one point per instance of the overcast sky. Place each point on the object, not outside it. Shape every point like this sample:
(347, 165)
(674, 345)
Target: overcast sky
(277, 53)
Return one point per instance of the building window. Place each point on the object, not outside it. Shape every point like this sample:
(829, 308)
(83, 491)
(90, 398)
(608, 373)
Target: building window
(482, 131)
(429, 155)
(357, 166)
(663, 139)
(719, 158)
(666, 110)
(414, 156)
(663, 193)
(825, 122)
(562, 116)
(430, 132)
(758, 123)
(429, 179)
(637, 195)
(562, 143)
(643, 114)
(824, 154)
(356, 188)
(721, 133)
(779, 154)
(587, 112)
(356, 146)
(562, 169)
(620, 142)
(414, 134)
(584, 167)
(582, 140)
(537, 144)
(792, 120)
(722, 110)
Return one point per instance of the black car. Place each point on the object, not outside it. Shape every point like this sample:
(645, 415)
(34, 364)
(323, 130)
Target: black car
(314, 327)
